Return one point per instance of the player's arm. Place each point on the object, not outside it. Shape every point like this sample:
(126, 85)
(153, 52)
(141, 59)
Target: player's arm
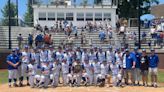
(134, 61)
(10, 63)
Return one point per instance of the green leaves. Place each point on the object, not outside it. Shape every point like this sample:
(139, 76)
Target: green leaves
(129, 9)
(5, 14)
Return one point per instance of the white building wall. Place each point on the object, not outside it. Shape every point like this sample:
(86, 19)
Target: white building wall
(75, 11)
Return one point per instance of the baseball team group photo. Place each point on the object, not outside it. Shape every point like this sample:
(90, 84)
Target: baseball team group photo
(82, 45)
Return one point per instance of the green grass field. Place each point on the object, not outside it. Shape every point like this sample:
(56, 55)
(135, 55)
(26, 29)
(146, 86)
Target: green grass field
(4, 76)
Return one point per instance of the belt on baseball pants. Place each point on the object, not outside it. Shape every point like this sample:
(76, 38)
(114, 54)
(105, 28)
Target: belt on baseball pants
(25, 63)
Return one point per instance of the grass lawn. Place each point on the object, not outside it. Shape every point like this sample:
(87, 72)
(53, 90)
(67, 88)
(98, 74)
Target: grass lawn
(4, 76)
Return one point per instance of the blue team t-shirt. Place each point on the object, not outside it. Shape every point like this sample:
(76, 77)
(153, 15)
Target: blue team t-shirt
(129, 61)
(14, 59)
(153, 61)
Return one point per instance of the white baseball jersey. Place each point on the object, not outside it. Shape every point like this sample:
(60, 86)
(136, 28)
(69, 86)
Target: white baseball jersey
(30, 69)
(43, 55)
(115, 69)
(92, 56)
(26, 57)
(97, 68)
(59, 56)
(101, 56)
(79, 55)
(56, 68)
(84, 56)
(35, 57)
(104, 69)
(110, 56)
(50, 55)
(118, 58)
(65, 68)
(45, 70)
(88, 68)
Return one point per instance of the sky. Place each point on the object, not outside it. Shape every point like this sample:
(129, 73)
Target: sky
(23, 6)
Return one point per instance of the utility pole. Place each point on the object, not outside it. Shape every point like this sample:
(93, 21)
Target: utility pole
(9, 25)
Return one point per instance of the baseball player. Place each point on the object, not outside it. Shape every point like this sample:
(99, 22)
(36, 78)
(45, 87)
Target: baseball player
(45, 75)
(56, 67)
(37, 79)
(19, 54)
(92, 56)
(43, 55)
(84, 55)
(13, 62)
(101, 55)
(89, 70)
(31, 74)
(104, 72)
(51, 54)
(59, 54)
(97, 70)
(85, 78)
(65, 71)
(116, 74)
(76, 73)
(35, 58)
(110, 55)
(26, 58)
(78, 53)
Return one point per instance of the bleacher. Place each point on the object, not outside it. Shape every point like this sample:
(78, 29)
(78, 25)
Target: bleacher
(58, 37)
(15, 31)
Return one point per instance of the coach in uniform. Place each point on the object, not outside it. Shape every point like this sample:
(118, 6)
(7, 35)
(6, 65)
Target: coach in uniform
(13, 62)
(153, 67)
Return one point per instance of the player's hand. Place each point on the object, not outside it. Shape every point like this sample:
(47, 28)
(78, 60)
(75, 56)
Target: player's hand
(133, 67)
(15, 65)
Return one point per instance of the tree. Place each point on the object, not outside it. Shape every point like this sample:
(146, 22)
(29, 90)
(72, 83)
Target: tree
(128, 8)
(97, 2)
(28, 17)
(5, 14)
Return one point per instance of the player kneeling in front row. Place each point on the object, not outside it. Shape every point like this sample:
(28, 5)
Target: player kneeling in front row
(116, 74)
(31, 74)
(76, 74)
(44, 79)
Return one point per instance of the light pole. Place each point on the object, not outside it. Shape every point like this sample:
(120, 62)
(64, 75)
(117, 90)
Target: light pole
(9, 24)
(17, 12)
(139, 23)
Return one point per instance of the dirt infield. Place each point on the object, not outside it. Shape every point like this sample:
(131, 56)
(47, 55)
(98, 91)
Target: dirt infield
(5, 88)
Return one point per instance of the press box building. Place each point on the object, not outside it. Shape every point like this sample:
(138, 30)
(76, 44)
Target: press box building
(48, 14)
